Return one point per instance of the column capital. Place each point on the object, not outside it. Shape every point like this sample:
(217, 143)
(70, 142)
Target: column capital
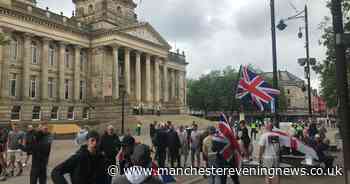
(28, 35)
(115, 46)
(46, 39)
(62, 43)
(77, 47)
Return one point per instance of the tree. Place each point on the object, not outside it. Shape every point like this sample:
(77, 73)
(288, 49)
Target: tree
(326, 69)
(3, 39)
(214, 92)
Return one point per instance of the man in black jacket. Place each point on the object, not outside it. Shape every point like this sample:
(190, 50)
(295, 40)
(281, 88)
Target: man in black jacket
(174, 146)
(39, 147)
(110, 145)
(86, 166)
(161, 145)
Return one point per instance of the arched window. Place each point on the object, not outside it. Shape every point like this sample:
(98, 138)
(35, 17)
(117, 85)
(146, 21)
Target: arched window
(91, 8)
(34, 53)
(14, 49)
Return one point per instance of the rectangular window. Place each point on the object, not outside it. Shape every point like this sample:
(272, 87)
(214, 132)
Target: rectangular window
(33, 85)
(82, 89)
(14, 49)
(51, 55)
(36, 113)
(70, 115)
(15, 113)
(82, 61)
(50, 87)
(34, 54)
(66, 58)
(66, 89)
(54, 113)
(86, 113)
(13, 85)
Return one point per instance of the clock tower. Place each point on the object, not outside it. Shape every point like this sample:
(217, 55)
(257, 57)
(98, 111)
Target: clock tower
(106, 14)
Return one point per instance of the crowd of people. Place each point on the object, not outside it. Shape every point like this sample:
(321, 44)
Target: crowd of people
(171, 146)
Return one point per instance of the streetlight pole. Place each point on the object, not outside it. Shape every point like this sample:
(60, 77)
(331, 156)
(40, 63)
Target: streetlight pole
(123, 109)
(308, 73)
(342, 83)
(306, 60)
(274, 61)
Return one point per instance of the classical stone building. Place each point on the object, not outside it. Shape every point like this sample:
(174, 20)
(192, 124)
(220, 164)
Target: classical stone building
(295, 91)
(57, 68)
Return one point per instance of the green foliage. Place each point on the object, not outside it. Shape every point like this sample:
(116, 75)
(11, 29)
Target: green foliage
(214, 92)
(326, 69)
(3, 39)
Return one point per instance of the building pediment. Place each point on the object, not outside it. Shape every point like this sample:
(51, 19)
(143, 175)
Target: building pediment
(145, 32)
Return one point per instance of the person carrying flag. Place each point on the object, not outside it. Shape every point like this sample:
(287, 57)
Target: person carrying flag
(227, 148)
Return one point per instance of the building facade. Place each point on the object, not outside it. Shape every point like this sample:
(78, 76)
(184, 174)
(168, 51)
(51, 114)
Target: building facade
(294, 90)
(57, 68)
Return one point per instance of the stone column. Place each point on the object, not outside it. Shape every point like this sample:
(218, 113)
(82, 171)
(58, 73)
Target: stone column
(127, 70)
(173, 92)
(4, 65)
(27, 58)
(1, 63)
(77, 50)
(115, 74)
(156, 80)
(138, 77)
(61, 71)
(165, 82)
(44, 69)
(181, 86)
(148, 78)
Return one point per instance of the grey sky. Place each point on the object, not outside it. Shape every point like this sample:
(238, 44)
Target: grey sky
(217, 33)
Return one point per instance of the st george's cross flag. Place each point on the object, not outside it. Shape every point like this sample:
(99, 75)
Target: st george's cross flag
(253, 88)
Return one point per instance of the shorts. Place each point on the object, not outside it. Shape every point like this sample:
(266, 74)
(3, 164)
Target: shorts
(14, 154)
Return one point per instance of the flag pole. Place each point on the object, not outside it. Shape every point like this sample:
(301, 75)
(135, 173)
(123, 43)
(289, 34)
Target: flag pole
(235, 86)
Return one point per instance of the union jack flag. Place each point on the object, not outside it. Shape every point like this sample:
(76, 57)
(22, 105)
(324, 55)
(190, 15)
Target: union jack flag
(253, 88)
(227, 139)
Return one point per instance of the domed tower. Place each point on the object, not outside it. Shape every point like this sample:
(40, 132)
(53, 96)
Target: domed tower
(106, 14)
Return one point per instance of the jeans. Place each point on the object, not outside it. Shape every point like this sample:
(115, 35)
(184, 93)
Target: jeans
(212, 179)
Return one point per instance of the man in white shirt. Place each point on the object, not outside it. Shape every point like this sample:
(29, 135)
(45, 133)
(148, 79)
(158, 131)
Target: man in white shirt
(269, 152)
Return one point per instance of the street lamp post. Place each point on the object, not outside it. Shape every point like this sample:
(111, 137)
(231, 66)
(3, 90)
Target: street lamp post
(274, 61)
(308, 61)
(123, 110)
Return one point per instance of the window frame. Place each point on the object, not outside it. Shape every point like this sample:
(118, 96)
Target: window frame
(66, 89)
(34, 113)
(13, 80)
(12, 112)
(86, 113)
(69, 112)
(51, 55)
(50, 87)
(14, 49)
(33, 80)
(52, 112)
(34, 52)
(66, 58)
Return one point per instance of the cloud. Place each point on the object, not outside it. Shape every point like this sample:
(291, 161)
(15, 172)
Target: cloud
(215, 34)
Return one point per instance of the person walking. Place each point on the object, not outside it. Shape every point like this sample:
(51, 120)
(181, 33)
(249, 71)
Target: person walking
(86, 166)
(161, 145)
(245, 140)
(40, 148)
(123, 159)
(29, 139)
(253, 130)
(15, 142)
(110, 145)
(195, 143)
(185, 146)
(174, 147)
(209, 155)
